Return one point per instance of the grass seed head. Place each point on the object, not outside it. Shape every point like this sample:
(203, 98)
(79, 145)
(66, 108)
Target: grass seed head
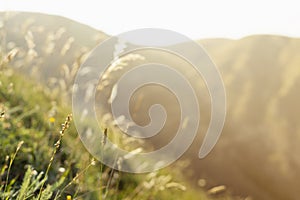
(104, 139)
(2, 114)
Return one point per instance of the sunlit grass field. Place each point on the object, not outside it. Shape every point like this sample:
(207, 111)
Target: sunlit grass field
(256, 157)
(41, 155)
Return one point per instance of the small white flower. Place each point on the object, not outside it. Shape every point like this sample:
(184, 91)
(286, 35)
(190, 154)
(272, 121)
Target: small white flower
(93, 162)
(61, 169)
(34, 172)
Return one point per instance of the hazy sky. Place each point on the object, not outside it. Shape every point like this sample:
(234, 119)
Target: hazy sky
(193, 18)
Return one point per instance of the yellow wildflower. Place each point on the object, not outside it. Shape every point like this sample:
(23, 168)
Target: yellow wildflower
(51, 119)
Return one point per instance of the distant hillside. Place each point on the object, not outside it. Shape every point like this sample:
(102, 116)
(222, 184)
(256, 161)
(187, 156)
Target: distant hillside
(257, 154)
(47, 41)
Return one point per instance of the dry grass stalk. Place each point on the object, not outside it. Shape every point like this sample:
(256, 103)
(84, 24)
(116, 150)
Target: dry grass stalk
(217, 190)
(11, 162)
(64, 127)
(104, 139)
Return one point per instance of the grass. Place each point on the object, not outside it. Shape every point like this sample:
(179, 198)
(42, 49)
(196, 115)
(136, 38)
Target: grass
(23, 177)
(42, 159)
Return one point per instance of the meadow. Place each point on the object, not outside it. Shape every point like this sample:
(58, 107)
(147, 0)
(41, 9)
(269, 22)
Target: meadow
(255, 158)
(41, 154)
